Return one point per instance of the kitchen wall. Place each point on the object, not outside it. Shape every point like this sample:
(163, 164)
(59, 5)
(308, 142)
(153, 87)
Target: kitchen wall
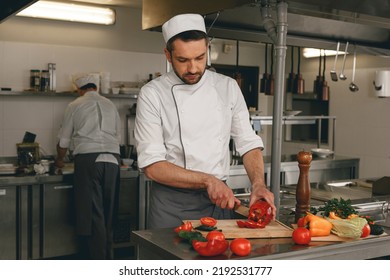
(30, 44)
(130, 54)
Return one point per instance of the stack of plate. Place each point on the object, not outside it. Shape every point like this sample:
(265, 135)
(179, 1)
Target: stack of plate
(7, 169)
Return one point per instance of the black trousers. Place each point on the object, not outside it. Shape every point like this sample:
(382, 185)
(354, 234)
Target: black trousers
(96, 187)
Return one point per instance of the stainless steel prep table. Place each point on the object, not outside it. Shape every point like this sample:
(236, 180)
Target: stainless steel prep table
(165, 244)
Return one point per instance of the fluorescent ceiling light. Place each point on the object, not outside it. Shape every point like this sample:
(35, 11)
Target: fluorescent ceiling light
(69, 12)
(309, 52)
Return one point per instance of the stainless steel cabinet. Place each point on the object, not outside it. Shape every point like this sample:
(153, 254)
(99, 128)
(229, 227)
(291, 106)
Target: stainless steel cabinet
(57, 229)
(37, 219)
(127, 217)
(8, 223)
(19, 214)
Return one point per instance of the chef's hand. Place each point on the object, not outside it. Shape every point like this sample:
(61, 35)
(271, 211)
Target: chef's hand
(260, 191)
(59, 162)
(220, 194)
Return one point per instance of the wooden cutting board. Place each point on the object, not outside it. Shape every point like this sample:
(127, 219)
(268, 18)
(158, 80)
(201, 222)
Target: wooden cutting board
(230, 229)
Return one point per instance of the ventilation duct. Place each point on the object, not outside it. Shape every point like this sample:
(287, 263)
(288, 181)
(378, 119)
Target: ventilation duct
(11, 7)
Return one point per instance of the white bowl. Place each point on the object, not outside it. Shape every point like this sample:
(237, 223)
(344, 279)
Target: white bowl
(127, 161)
(322, 152)
(115, 90)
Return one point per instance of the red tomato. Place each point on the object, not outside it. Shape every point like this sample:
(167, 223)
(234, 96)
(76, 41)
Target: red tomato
(366, 230)
(187, 226)
(215, 234)
(208, 221)
(301, 222)
(241, 247)
(301, 236)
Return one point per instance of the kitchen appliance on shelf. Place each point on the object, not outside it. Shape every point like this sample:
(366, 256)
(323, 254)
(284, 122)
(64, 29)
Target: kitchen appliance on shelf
(28, 150)
(28, 153)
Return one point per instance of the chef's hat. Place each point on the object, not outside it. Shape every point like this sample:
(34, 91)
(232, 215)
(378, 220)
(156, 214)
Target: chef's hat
(181, 23)
(87, 79)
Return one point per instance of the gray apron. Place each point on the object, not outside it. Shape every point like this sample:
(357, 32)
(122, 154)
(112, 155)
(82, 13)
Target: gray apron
(169, 206)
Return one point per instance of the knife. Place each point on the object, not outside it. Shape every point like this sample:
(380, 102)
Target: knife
(242, 210)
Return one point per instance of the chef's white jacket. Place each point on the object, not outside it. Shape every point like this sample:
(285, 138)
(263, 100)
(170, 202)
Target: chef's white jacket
(191, 125)
(93, 124)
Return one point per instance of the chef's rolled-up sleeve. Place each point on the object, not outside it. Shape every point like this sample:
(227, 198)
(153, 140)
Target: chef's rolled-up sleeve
(245, 138)
(148, 131)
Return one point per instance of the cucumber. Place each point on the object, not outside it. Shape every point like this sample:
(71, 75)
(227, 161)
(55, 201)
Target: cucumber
(206, 228)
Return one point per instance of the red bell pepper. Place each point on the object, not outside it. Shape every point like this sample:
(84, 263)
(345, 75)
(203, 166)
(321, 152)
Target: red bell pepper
(249, 224)
(261, 212)
(211, 248)
(260, 215)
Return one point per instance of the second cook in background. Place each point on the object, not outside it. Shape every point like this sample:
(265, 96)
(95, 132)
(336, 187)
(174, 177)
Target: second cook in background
(92, 123)
(184, 122)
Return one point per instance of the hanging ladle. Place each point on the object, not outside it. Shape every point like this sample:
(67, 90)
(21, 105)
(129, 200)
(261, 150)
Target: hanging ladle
(342, 76)
(352, 86)
(333, 73)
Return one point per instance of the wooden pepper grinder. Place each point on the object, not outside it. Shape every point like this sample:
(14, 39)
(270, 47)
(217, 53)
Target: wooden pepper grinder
(303, 187)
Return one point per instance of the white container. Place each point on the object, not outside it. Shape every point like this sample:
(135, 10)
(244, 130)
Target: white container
(105, 80)
(382, 83)
(115, 90)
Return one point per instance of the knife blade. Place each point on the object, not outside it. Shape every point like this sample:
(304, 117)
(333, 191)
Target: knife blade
(242, 210)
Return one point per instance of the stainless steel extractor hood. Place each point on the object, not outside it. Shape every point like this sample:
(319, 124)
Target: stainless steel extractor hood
(11, 7)
(311, 23)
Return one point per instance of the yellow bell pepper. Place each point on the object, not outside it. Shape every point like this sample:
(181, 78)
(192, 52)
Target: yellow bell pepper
(317, 225)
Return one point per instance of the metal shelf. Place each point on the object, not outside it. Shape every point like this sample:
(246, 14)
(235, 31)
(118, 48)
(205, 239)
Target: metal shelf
(258, 121)
(133, 95)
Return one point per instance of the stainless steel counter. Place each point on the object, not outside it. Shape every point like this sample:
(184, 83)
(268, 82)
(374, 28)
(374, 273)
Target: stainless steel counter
(165, 244)
(321, 170)
(31, 180)
(11, 180)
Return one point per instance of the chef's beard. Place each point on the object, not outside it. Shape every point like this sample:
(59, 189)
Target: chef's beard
(187, 81)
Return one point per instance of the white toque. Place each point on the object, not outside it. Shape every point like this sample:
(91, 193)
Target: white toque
(181, 23)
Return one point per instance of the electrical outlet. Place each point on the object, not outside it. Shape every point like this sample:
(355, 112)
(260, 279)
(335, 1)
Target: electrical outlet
(227, 48)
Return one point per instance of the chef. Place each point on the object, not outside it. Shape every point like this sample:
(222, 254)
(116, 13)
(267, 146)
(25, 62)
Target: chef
(92, 124)
(184, 122)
